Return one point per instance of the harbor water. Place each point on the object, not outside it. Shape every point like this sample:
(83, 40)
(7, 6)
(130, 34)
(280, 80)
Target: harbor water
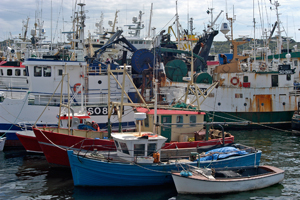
(28, 176)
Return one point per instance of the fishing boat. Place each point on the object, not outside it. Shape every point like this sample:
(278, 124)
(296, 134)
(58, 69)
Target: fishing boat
(228, 180)
(54, 141)
(260, 93)
(45, 80)
(137, 162)
(77, 121)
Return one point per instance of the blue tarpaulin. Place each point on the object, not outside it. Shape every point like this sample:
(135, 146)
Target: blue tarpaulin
(224, 152)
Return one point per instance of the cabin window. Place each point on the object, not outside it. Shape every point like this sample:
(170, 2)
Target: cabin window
(238, 95)
(24, 72)
(47, 71)
(139, 149)
(179, 120)
(295, 63)
(9, 72)
(245, 79)
(140, 42)
(124, 147)
(1, 98)
(37, 71)
(60, 72)
(17, 72)
(117, 144)
(193, 120)
(147, 121)
(288, 77)
(211, 95)
(151, 149)
(274, 80)
(1, 72)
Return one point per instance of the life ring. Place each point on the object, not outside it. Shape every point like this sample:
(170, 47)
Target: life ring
(263, 67)
(75, 87)
(234, 81)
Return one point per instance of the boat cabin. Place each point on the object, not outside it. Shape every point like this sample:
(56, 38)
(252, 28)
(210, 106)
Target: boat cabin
(184, 129)
(13, 75)
(138, 147)
(75, 121)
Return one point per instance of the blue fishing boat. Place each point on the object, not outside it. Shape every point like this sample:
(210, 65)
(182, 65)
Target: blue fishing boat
(137, 161)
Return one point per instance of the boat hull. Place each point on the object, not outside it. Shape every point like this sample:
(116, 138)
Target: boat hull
(29, 141)
(257, 119)
(201, 185)
(2, 143)
(296, 124)
(54, 145)
(94, 172)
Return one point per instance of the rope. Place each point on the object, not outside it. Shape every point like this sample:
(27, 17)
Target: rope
(17, 116)
(166, 25)
(48, 103)
(65, 149)
(9, 113)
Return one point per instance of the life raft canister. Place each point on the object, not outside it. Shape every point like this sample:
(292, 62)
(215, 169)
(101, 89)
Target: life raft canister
(75, 87)
(149, 134)
(234, 81)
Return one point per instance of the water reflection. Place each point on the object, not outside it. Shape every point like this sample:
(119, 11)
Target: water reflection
(24, 176)
(155, 193)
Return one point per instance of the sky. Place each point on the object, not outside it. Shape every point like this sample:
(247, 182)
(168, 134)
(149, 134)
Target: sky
(14, 12)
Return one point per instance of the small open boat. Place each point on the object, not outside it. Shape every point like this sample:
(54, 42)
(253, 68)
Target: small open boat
(226, 180)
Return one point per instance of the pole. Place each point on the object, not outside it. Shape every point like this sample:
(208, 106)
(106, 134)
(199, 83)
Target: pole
(69, 105)
(155, 106)
(60, 102)
(108, 102)
(207, 126)
(122, 99)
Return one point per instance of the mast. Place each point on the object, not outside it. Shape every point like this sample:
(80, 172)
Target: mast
(279, 39)
(149, 29)
(177, 23)
(82, 25)
(51, 26)
(254, 47)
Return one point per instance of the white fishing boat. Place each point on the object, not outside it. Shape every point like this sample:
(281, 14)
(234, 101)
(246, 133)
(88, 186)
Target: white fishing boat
(218, 181)
(258, 92)
(87, 87)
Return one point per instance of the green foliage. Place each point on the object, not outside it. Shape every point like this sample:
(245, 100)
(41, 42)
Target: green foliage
(224, 46)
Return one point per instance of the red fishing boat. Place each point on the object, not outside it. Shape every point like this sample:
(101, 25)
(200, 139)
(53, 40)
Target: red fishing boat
(55, 142)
